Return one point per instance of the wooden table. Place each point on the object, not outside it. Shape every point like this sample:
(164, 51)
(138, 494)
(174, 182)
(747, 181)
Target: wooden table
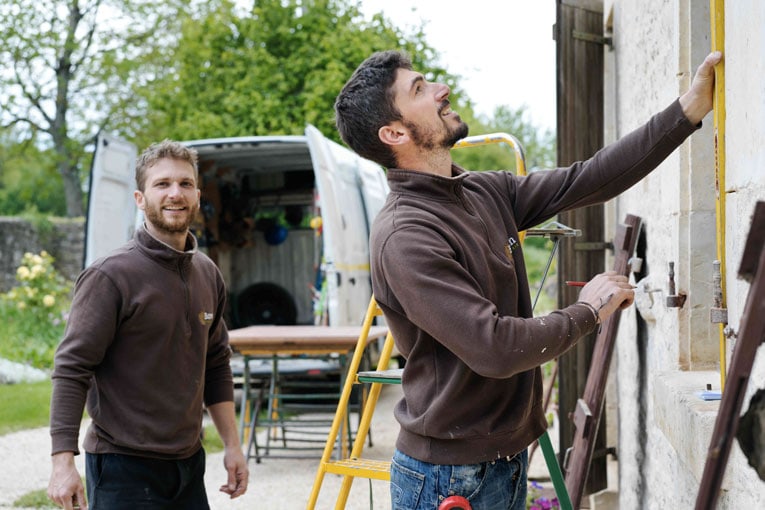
(277, 341)
(283, 340)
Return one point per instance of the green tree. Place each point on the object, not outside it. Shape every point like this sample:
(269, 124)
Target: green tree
(28, 178)
(270, 70)
(538, 143)
(69, 66)
(188, 69)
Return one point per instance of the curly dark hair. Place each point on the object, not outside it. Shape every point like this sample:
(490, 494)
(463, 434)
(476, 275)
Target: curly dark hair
(365, 104)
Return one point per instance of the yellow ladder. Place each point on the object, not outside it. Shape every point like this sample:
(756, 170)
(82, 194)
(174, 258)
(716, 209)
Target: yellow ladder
(354, 466)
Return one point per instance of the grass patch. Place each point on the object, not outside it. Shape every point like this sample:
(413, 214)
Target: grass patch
(211, 440)
(35, 499)
(25, 406)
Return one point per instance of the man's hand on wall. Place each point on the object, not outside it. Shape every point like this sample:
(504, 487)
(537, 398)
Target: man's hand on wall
(698, 100)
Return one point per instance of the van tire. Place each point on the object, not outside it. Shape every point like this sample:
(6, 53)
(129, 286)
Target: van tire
(265, 303)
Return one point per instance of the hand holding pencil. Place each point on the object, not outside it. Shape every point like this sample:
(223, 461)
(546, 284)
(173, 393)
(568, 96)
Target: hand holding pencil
(606, 293)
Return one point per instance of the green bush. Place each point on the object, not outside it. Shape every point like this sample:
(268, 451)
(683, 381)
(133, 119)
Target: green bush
(34, 312)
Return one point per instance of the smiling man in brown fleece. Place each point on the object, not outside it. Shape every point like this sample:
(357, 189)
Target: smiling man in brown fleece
(449, 275)
(146, 345)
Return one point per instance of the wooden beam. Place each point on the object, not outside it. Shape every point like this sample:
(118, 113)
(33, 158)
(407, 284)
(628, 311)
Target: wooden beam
(579, 136)
(751, 334)
(589, 408)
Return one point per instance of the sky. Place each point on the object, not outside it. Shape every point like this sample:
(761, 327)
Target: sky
(502, 49)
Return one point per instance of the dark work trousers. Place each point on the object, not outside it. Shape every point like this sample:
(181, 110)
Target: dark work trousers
(117, 482)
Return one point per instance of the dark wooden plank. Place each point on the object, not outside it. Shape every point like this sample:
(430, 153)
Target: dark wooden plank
(751, 335)
(589, 408)
(754, 245)
(579, 136)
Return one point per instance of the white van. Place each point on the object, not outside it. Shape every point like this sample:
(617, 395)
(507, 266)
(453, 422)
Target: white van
(285, 218)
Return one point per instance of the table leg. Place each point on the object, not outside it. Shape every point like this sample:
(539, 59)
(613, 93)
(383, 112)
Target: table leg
(244, 411)
(271, 401)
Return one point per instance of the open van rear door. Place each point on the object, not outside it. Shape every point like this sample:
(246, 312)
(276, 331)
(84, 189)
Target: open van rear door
(111, 207)
(348, 204)
(374, 188)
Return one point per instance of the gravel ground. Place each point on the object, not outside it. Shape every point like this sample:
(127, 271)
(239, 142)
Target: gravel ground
(275, 484)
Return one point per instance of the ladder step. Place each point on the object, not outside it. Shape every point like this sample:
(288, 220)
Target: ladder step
(361, 468)
(553, 229)
(553, 232)
(392, 376)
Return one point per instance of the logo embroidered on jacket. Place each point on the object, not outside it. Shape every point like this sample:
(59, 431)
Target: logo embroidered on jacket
(206, 318)
(510, 247)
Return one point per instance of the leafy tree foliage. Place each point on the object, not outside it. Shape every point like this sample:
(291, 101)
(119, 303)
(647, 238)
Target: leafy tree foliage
(538, 144)
(69, 66)
(28, 179)
(270, 70)
(188, 69)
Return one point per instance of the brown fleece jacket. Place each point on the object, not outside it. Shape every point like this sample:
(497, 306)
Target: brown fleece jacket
(147, 341)
(449, 275)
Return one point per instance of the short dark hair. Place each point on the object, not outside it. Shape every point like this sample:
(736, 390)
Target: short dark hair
(365, 104)
(166, 149)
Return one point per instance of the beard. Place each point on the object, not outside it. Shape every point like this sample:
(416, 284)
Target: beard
(455, 134)
(174, 225)
(428, 138)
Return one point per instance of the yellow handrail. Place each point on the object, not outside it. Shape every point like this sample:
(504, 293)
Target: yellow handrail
(717, 14)
(492, 138)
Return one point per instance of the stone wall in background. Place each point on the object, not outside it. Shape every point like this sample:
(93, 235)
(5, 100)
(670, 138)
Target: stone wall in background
(64, 239)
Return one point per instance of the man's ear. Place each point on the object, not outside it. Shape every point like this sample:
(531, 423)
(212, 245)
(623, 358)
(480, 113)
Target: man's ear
(393, 134)
(139, 202)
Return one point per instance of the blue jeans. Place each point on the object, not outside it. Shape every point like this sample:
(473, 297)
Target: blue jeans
(495, 485)
(123, 482)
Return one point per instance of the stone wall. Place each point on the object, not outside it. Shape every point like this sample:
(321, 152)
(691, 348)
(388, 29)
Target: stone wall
(64, 241)
(666, 356)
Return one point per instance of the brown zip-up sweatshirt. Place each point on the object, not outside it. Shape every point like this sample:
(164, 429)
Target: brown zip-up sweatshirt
(147, 342)
(449, 275)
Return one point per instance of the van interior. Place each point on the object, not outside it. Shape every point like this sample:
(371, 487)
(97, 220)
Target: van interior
(258, 200)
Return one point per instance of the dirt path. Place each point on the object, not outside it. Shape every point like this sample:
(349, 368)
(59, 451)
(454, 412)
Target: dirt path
(275, 484)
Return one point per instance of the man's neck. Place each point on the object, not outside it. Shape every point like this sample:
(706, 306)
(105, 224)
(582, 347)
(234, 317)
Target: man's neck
(174, 240)
(430, 162)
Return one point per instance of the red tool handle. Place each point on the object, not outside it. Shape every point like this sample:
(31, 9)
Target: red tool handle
(455, 503)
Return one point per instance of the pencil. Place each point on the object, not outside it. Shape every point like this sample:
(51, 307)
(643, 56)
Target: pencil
(572, 283)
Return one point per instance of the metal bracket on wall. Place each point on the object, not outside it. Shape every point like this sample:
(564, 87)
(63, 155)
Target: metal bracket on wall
(674, 299)
(594, 246)
(593, 38)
